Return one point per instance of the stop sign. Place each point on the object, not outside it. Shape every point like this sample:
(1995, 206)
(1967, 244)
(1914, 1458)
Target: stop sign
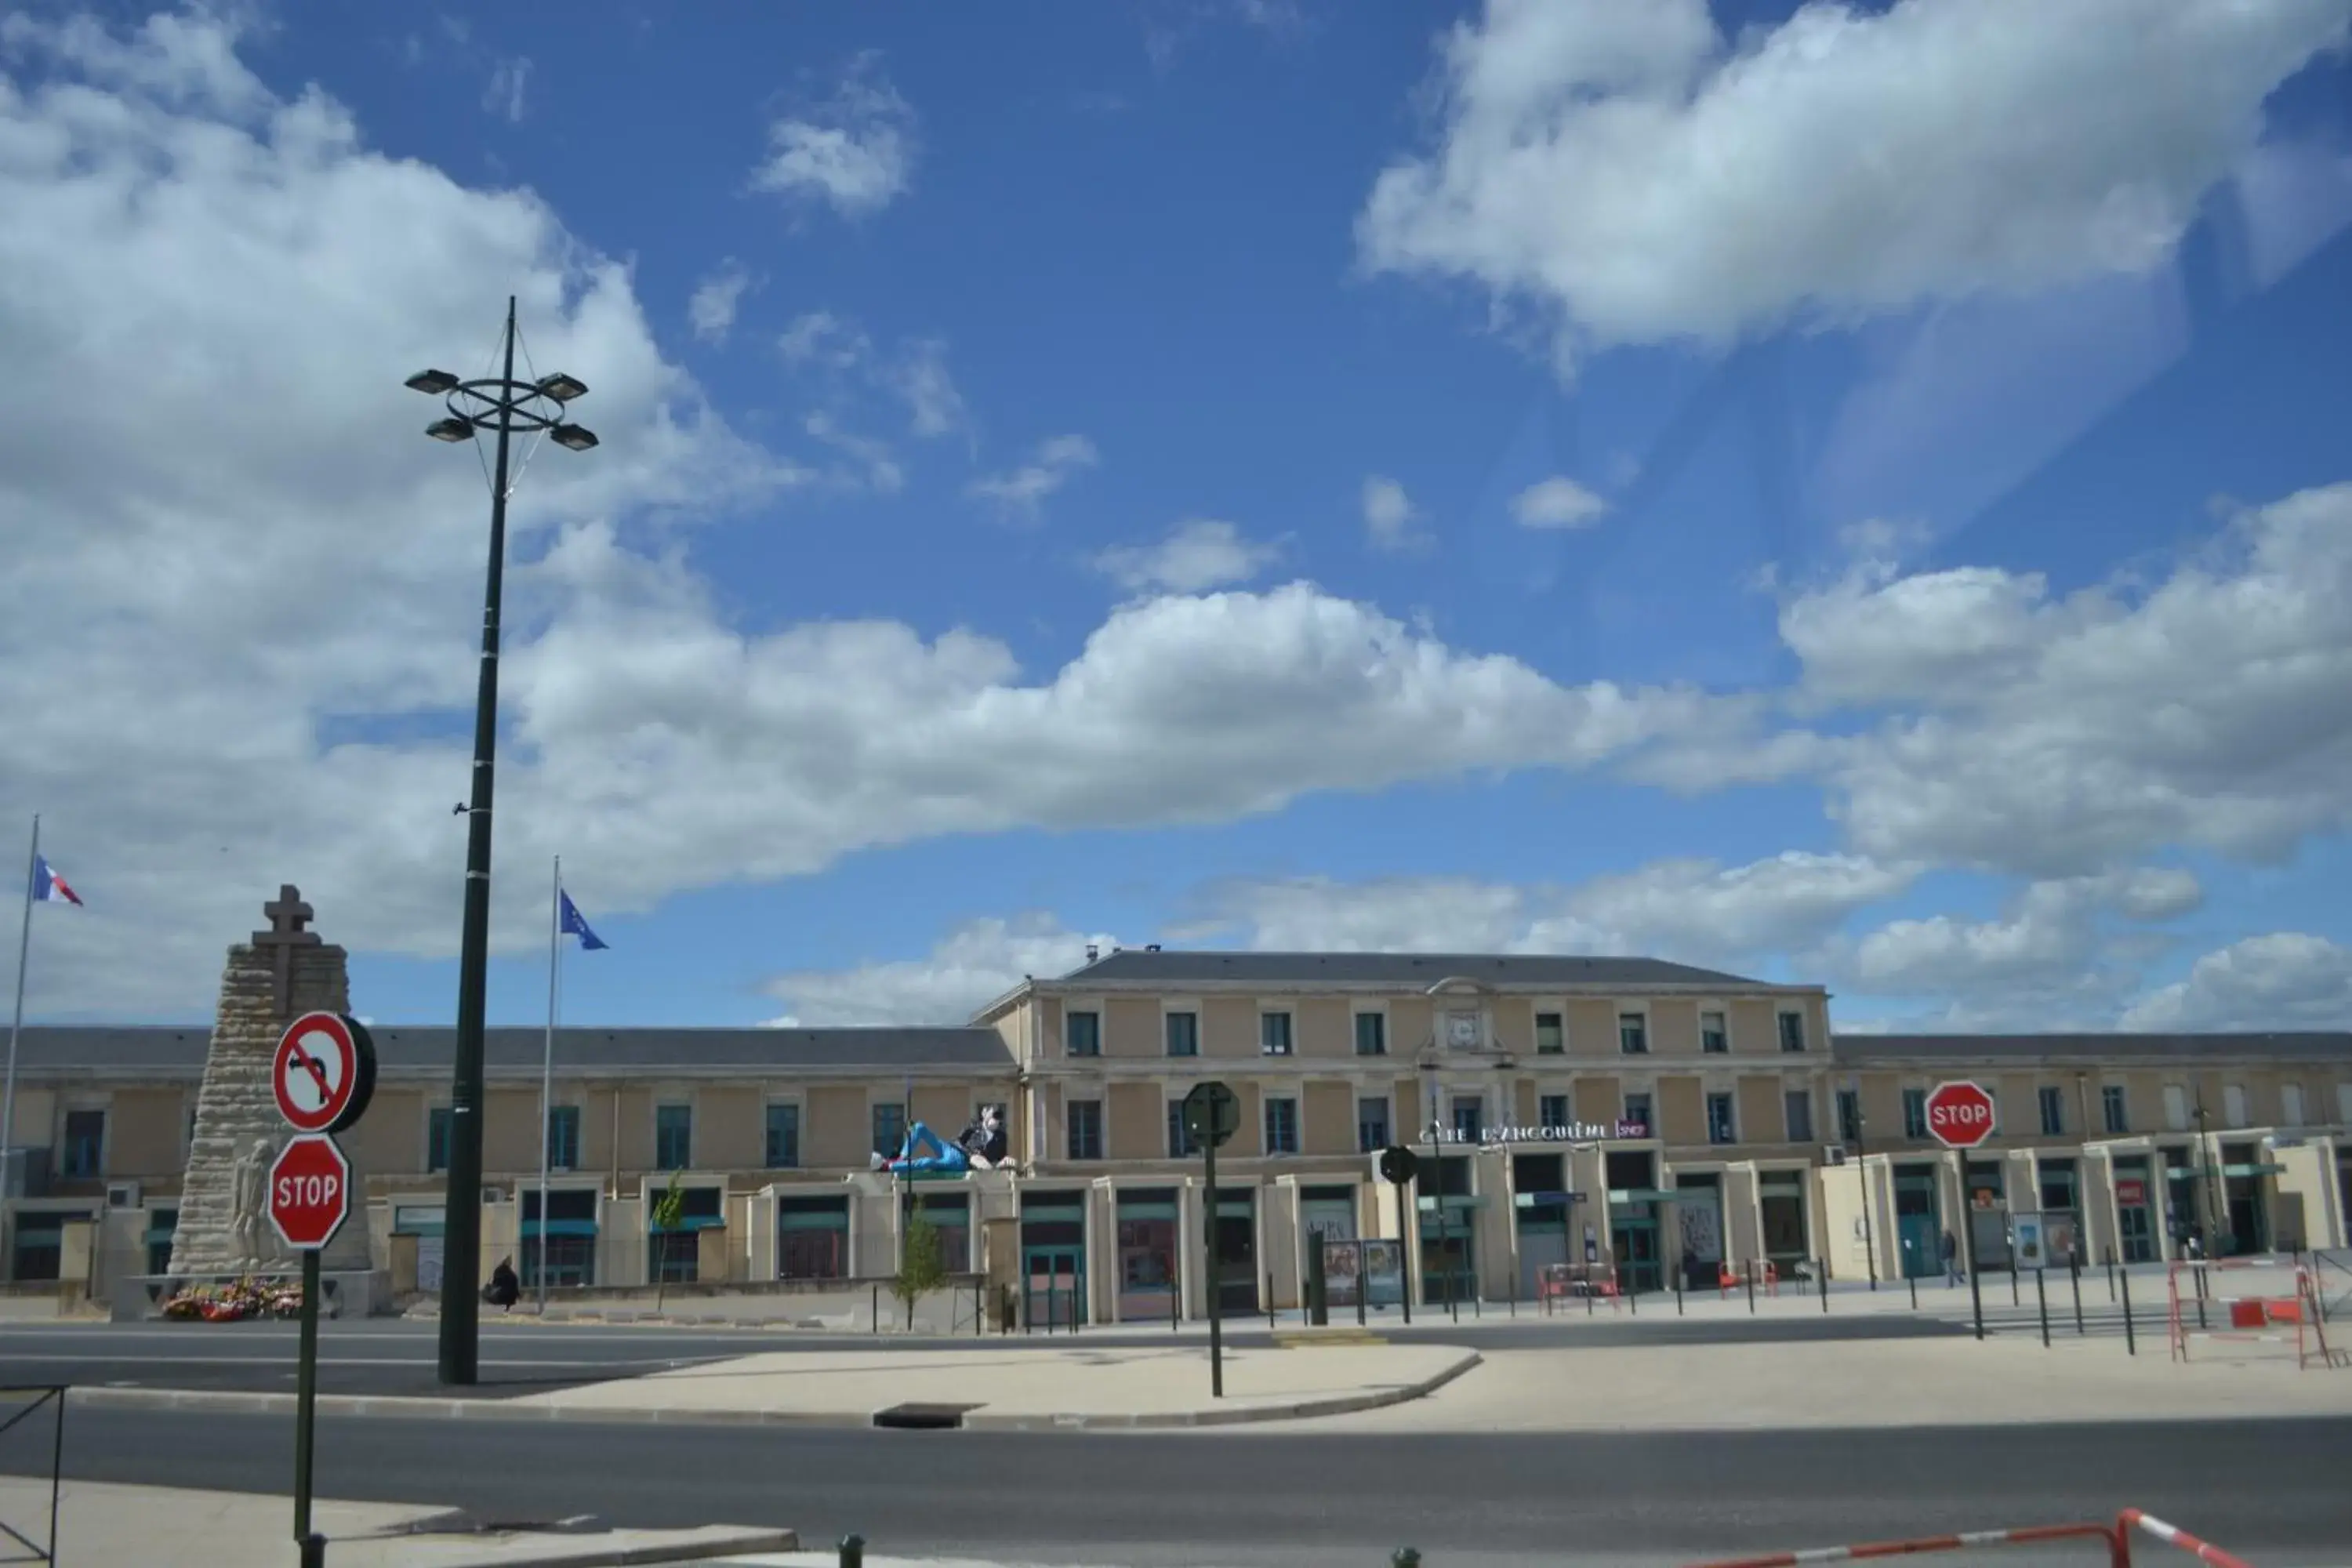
(1959, 1114)
(309, 1192)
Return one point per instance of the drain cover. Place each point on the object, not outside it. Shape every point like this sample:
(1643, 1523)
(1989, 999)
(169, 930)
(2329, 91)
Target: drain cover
(923, 1418)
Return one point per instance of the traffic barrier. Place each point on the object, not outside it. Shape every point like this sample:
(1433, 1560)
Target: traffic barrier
(2117, 1537)
(2252, 1318)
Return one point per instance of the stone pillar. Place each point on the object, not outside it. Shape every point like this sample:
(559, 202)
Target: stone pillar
(266, 985)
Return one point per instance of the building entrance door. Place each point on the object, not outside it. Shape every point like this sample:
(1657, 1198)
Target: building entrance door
(1634, 1239)
(1920, 1238)
(1056, 1282)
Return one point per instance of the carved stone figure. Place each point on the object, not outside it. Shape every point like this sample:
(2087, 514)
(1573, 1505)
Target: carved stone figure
(255, 1242)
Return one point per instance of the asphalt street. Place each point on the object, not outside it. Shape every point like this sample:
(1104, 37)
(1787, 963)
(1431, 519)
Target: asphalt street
(390, 1356)
(2273, 1489)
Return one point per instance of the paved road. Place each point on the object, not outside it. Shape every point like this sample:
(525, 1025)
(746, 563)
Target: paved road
(2274, 1488)
(394, 1357)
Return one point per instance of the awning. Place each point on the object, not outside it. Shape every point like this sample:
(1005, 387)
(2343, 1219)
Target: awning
(1643, 1196)
(2253, 1169)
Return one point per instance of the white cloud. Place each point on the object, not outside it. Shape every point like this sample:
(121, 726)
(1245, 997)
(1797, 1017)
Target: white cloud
(2050, 941)
(855, 152)
(711, 310)
(880, 470)
(977, 962)
(1389, 514)
(913, 375)
(1556, 502)
(2286, 980)
(1642, 179)
(504, 95)
(1196, 556)
(1687, 910)
(1021, 493)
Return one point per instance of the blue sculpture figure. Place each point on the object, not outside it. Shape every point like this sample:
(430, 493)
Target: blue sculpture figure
(979, 1147)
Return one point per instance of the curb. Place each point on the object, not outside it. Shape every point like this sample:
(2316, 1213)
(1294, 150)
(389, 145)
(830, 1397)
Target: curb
(416, 1408)
(1180, 1420)
(739, 1541)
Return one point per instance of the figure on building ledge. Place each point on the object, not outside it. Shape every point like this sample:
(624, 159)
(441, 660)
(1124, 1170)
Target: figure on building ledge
(979, 1147)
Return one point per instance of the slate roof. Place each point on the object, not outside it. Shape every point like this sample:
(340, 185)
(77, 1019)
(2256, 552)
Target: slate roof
(166, 1050)
(1132, 964)
(2033, 1050)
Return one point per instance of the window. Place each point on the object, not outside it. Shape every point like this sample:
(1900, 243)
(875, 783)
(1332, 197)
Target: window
(563, 1137)
(1281, 1125)
(2175, 1108)
(1180, 1142)
(1793, 1031)
(2234, 1104)
(1372, 1123)
(1637, 1111)
(85, 1152)
(2111, 1106)
(1183, 1032)
(673, 1137)
(2053, 1110)
(1714, 1034)
(1799, 1108)
(1848, 1104)
(1915, 1113)
(1081, 1034)
(1274, 1034)
(890, 1129)
(1719, 1129)
(783, 1143)
(1551, 1035)
(1552, 1111)
(1371, 1034)
(2289, 1105)
(1085, 1118)
(1632, 1034)
(1469, 1117)
(437, 1138)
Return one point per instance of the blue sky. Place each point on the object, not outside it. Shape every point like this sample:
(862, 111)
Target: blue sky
(1840, 495)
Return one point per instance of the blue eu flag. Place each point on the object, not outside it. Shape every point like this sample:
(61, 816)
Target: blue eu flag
(575, 926)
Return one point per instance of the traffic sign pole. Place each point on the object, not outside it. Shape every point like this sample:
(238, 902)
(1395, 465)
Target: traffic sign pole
(1209, 1249)
(306, 1396)
(1961, 1115)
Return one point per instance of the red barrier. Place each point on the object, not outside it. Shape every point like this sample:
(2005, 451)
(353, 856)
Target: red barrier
(2117, 1537)
(2132, 1519)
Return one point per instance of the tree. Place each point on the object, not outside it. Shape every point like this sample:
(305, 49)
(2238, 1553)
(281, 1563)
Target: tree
(668, 1210)
(922, 1264)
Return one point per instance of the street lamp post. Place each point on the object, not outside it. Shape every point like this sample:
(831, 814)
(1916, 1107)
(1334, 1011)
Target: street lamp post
(505, 407)
(1862, 1182)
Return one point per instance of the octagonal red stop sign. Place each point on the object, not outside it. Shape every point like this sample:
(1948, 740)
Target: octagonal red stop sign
(309, 1192)
(1959, 1114)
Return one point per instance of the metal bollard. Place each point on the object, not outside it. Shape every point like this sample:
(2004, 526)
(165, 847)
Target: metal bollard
(1821, 1278)
(2200, 1296)
(1587, 1295)
(2111, 1275)
(853, 1552)
(1751, 1290)
(2042, 1305)
(1912, 1280)
(2074, 1268)
(1269, 1300)
(2013, 1300)
(313, 1548)
(873, 1312)
(2131, 1344)
(1405, 1557)
(1678, 1295)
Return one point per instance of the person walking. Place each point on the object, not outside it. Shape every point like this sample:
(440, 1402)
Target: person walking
(1953, 1272)
(504, 1289)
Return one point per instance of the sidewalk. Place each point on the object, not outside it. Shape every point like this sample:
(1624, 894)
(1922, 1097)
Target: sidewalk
(990, 1386)
(159, 1527)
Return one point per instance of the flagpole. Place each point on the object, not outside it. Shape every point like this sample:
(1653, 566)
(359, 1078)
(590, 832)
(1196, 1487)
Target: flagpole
(547, 1067)
(17, 1020)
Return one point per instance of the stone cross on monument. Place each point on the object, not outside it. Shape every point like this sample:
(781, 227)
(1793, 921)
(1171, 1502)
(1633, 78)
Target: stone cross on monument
(288, 915)
(270, 980)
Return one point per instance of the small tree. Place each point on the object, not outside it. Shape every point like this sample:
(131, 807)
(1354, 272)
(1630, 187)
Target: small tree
(922, 1264)
(668, 1210)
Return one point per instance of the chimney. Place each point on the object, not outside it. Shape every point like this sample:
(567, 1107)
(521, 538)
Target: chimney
(1093, 953)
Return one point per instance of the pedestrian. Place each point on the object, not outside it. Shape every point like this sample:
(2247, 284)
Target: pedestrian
(504, 1289)
(1953, 1272)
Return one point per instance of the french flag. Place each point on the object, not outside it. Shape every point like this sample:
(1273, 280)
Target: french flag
(48, 888)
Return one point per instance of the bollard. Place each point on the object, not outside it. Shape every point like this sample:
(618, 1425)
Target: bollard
(1821, 1279)
(1587, 1294)
(2042, 1305)
(2131, 1346)
(2110, 1276)
(313, 1550)
(873, 1312)
(2013, 1284)
(1515, 1293)
(1175, 1300)
(1912, 1280)
(1405, 1557)
(2200, 1296)
(1633, 1298)
(1751, 1290)
(1269, 1300)
(2074, 1268)
(1678, 1295)
(853, 1552)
